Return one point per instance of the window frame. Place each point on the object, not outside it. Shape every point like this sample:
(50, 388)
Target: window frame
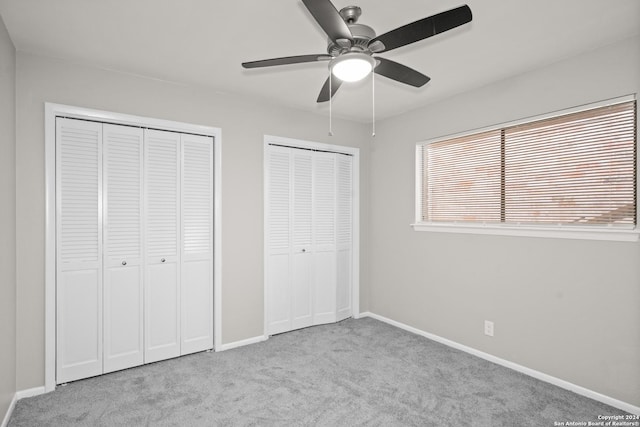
(607, 233)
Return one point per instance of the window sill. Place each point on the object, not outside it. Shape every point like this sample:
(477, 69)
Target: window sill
(583, 233)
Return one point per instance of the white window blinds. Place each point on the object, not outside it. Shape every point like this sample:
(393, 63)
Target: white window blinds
(574, 169)
(461, 179)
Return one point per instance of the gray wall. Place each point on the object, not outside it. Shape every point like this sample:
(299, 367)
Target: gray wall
(243, 123)
(7, 221)
(568, 308)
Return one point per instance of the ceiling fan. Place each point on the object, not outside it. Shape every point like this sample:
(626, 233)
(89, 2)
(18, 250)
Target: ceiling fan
(352, 46)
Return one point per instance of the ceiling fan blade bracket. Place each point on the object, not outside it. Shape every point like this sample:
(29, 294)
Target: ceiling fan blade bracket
(344, 43)
(376, 46)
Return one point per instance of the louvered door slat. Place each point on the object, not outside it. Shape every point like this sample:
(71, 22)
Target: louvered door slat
(79, 272)
(162, 202)
(324, 203)
(197, 244)
(279, 198)
(161, 231)
(344, 235)
(123, 292)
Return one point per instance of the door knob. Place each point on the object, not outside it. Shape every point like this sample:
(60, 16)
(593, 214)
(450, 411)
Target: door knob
(124, 262)
(162, 260)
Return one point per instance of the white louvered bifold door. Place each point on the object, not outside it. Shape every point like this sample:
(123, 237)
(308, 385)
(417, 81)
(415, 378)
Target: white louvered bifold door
(122, 247)
(278, 274)
(324, 236)
(79, 237)
(344, 235)
(309, 217)
(197, 244)
(302, 244)
(162, 255)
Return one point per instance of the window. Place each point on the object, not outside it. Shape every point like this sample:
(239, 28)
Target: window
(565, 172)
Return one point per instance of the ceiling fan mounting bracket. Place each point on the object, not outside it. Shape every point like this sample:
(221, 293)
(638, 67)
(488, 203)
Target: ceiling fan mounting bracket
(350, 14)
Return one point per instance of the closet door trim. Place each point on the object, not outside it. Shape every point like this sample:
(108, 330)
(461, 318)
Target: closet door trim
(355, 255)
(52, 111)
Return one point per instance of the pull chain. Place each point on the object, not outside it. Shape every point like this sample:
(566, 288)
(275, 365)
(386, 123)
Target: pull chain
(330, 102)
(373, 102)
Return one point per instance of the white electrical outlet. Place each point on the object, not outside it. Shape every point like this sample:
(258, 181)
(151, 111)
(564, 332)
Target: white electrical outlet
(488, 328)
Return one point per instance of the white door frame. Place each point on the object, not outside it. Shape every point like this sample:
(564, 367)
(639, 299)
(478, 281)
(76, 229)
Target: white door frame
(58, 110)
(355, 271)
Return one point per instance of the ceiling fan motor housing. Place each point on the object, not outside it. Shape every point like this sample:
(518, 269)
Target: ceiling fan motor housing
(362, 34)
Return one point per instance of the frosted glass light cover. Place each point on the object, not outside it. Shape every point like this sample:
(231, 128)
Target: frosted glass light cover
(352, 67)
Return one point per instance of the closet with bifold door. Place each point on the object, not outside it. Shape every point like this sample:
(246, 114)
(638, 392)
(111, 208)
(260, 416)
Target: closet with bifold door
(309, 239)
(134, 238)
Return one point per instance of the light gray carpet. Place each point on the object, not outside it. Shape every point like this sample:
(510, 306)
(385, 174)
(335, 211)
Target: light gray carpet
(354, 373)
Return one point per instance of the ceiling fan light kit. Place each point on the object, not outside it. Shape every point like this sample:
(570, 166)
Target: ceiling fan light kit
(351, 45)
(352, 67)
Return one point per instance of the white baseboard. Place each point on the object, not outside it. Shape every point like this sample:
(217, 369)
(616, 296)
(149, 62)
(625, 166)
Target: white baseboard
(242, 343)
(519, 368)
(7, 415)
(30, 392)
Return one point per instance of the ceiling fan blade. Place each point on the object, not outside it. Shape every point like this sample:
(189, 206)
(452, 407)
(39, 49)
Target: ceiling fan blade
(330, 20)
(424, 28)
(324, 92)
(400, 73)
(286, 60)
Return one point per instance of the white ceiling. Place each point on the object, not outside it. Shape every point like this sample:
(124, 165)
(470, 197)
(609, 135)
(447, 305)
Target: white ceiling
(203, 42)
